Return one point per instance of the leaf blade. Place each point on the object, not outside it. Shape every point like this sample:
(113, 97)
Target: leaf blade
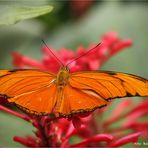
(13, 14)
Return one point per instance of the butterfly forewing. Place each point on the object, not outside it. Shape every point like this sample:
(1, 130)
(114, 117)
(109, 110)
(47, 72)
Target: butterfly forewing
(32, 90)
(110, 85)
(17, 82)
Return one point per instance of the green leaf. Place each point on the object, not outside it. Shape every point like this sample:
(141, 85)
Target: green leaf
(11, 14)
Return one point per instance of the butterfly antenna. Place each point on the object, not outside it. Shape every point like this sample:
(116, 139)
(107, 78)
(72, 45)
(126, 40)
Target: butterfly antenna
(53, 53)
(83, 54)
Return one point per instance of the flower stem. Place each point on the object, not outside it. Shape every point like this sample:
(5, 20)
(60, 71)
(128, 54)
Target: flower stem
(22, 116)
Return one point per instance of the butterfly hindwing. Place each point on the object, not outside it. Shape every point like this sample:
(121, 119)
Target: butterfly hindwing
(78, 101)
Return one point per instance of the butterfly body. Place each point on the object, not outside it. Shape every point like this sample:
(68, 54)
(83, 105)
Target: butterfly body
(61, 82)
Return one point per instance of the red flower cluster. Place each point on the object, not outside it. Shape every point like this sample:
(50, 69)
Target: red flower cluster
(92, 132)
(110, 45)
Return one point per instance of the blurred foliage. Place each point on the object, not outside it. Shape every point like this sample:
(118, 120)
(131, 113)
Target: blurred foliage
(10, 127)
(61, 29)
(11, 14)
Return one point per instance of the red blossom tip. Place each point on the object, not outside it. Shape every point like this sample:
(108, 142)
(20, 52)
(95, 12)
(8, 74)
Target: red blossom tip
(20, 140)
(138, 126)
(141, 110)
(120, 45)
(96, 138)
(23, 61)
(22, 116)
(132, 138)
(17, 59)
(110, 38)
(117, 112)
(3, 99)
(28, 141)
(77, 122)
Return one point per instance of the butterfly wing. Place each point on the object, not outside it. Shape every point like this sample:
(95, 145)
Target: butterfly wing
(78, 101)
(87, 91)
(31, 90)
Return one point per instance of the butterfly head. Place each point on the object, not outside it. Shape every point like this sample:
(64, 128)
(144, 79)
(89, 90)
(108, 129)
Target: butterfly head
(64, 68)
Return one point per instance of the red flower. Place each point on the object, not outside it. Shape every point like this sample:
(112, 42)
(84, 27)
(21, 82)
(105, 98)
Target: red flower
(110, 45)
(3, 99)
(57, 132)
(124, 140)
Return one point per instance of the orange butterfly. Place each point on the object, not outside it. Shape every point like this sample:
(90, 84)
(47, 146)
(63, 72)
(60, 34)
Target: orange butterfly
(42, 93)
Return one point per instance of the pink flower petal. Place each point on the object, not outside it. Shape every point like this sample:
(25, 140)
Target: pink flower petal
(77, 122)
(96, 138)
(22, 61)
(120, 46)
(142, 106)
(110, 38)
(21, 140)
(66, 54)
(94, 64)
(71, 131)
(23, 116)
(117, 112)
(131, 118)
(140, 110)
(29, 142)
(132, 138)
(80, 51)
(103, 51)
(47, 53)
(138, 126)
(3, 99)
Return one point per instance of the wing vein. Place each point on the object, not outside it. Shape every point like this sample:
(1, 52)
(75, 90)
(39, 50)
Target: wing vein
(89, 89)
